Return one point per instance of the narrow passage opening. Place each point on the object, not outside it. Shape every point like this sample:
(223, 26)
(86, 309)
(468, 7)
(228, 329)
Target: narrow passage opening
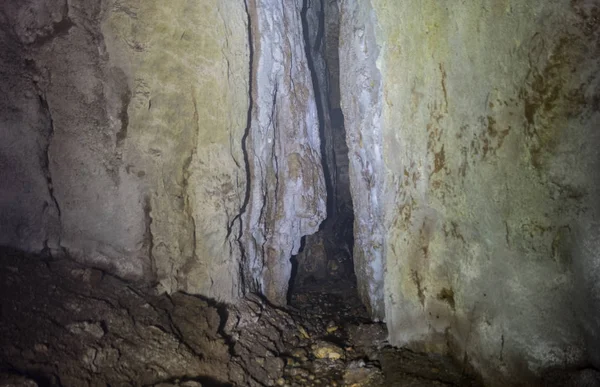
(323, 277)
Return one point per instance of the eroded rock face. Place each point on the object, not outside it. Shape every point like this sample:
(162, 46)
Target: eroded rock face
(131, 116)
(67, 325)
(473, 141)
(287, 188)
(186, 66)
(361, 98)
(126, 123)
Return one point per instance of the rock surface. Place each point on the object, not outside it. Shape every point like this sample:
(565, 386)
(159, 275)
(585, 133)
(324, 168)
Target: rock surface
(186, 64)
(361, 99)
(473, 138)
(124, 121)
(287, 188)
(176, 144)
(64, 324)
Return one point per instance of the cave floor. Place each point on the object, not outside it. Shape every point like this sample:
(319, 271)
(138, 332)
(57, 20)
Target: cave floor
(334, 323)
(63, 324)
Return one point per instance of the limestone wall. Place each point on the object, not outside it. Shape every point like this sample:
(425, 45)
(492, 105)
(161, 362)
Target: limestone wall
(131, 129)
(287, 188)
(482, 117)
(187, 66)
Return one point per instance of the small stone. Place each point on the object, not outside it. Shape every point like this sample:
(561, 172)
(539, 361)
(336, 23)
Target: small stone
(303, 332)
(94, 329)
(280, 381)
(190, 383)
(299, 353)
(326, 350)
(299, 372)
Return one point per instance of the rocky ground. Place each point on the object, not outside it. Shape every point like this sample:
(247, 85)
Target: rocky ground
(340, 346)
(66, 325)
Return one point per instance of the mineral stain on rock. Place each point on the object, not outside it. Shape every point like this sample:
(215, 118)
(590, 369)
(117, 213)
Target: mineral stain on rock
(447, 295)
(284, 193)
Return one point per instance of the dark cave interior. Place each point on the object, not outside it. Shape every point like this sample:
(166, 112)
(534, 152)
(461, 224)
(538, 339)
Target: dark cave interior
(325, 261)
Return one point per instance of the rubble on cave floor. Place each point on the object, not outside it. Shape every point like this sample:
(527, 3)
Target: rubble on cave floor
(340, 346)
(63, 324)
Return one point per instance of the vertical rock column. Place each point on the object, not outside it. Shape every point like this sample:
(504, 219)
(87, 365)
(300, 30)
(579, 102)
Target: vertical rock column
(361, 98)
(287, 189)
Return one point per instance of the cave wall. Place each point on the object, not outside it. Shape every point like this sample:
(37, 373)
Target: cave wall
(139, 115)
(361, 96)
(186, 65)
(473, 136)
(287, 197)
(132, 128)
(178, 144)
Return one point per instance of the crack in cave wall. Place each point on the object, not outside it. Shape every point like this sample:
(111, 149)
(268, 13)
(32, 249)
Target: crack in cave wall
(327, 254)
(184, 151)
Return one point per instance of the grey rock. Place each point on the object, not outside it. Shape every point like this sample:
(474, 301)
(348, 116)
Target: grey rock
(287, 195)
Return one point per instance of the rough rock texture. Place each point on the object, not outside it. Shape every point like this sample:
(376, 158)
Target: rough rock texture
(67, 325)
(125, 121)
(131, 134)
(361, 97)
(28, 209)
(187, 70)
(474, 143)
(314, 28)
(287, 188)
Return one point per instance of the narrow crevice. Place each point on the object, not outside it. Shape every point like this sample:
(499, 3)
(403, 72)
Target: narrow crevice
(326, 257)
(243, 270)
(45, 163)
(294, 271)
(318, 100)
(187, 170)
(148, 237)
